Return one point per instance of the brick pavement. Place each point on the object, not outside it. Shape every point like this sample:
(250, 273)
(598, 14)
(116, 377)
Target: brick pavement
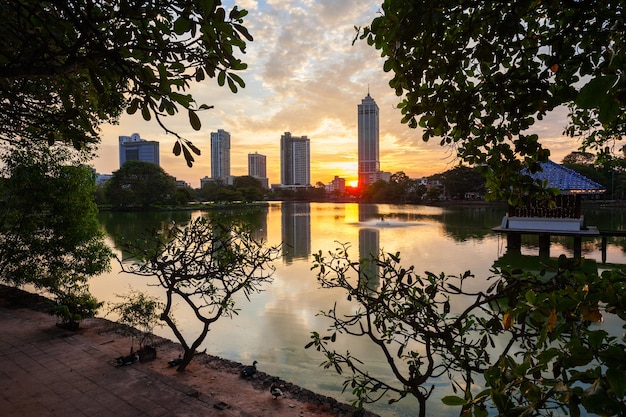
(48, 371)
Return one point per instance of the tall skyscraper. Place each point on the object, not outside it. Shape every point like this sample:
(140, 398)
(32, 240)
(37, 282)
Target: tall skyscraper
(369, 162)
(257, 165)
(220, 155)
(257, 168)
(133, 148)
(295, 160)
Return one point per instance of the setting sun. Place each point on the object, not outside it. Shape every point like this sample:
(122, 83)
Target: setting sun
(353, 183)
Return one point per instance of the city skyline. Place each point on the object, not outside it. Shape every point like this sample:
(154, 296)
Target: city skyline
(304, 75)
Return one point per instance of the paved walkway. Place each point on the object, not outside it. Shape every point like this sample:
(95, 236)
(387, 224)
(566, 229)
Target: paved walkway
(48, 371)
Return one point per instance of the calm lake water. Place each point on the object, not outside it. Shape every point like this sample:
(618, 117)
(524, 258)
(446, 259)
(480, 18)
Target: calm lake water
(275, 325)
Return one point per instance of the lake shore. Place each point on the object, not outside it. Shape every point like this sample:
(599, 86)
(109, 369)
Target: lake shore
(210, 383)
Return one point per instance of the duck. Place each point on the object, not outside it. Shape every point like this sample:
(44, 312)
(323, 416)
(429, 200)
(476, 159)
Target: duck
(175, 362)
(275, 391)
(248, 371)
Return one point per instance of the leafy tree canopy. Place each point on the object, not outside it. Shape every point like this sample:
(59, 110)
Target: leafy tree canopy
(49, 234)
(579, 158)
(66, 67)
(247, 181)
(479, 74)
(462, 180)
(139, 183)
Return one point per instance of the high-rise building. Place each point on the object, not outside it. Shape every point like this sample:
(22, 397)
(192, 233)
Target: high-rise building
(257, 168)
(295, 160)
(136, 149)
(220, 155)
(368, 129)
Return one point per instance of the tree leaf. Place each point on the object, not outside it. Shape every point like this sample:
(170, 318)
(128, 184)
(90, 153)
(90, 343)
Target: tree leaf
(552, 320)
(617, 381)
(194, 120)
(592, 94)
(453, 400)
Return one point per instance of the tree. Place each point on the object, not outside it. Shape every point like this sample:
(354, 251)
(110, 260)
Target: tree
(226, 194)
(184, 195)
(477, 75)
(399, 178)
(203, 265)
(247, 181)
(551, 356)
(139, 310)
(139, 183)
(49, 233)
(579, 158)
(378, 192)
(69, 66)
(250, 188)
(461, 180)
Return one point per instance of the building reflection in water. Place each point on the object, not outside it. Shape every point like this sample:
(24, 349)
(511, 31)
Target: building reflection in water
(296, 231)
(369, 245)
(259, 226)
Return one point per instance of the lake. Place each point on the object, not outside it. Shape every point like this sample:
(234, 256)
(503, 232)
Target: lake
(276, 324)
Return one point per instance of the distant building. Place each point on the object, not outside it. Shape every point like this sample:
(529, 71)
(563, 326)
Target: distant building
(368, 131)
(430, 183)
(204, 181)
(257, 168)
(220, 154)
(230, 180)
(102, 178)
(134, 148)
(295, 161)
(337, 185)
(381, 175)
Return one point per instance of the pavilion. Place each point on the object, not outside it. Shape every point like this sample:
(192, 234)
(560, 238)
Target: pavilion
(566, 219)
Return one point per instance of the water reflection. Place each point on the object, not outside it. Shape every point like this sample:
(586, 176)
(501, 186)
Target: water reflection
(274, 326)
(133, 226)
(296, 231)
(369, 247)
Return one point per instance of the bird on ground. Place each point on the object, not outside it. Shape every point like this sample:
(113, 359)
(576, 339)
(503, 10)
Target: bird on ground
(127, 360)
(248, 371)
(275, 391)
(175, 362)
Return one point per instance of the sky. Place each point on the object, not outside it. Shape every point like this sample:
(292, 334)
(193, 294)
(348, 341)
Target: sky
(306, 77)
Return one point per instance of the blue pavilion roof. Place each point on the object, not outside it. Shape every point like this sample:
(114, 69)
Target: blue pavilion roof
(567, 180)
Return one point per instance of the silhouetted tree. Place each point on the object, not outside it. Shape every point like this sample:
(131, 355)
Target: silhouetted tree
(478, 77)
(202, 266)
(551, 355)
(67, 67)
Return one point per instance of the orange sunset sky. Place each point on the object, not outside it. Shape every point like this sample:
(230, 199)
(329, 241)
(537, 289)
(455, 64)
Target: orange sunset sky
(304, 76)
